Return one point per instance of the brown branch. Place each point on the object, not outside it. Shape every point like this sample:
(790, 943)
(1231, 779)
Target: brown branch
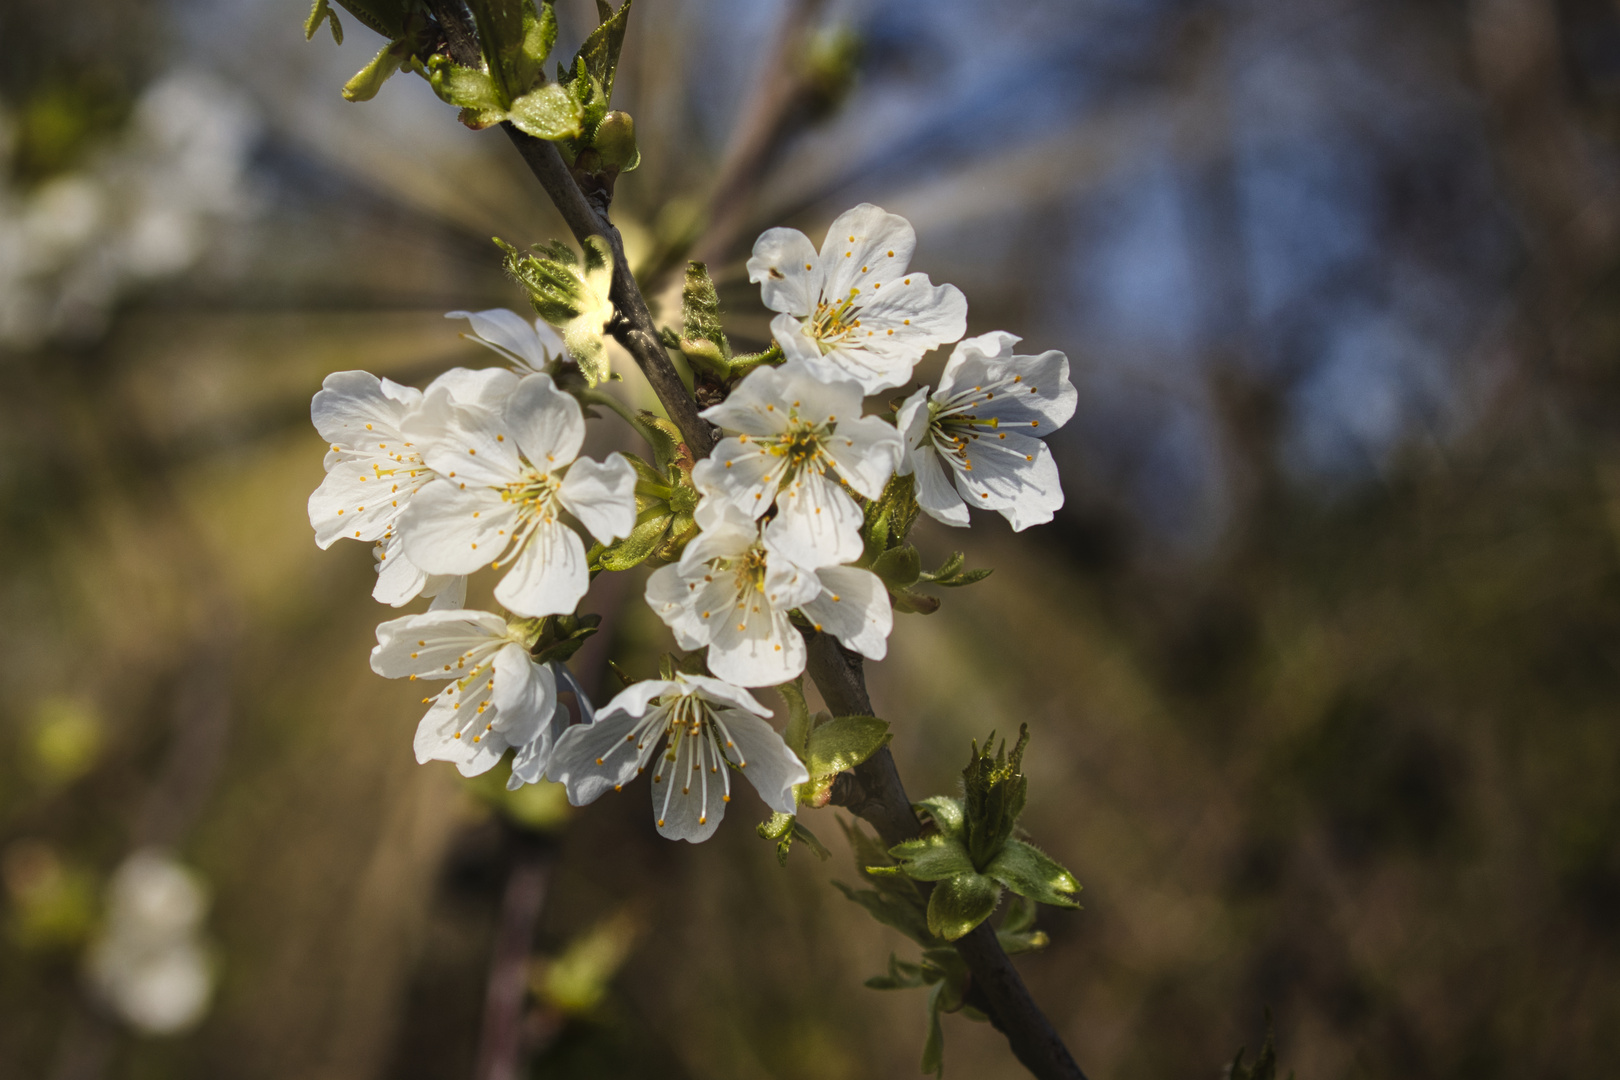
(874, 793)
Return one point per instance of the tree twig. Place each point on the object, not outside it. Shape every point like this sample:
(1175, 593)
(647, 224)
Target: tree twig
(874, 793)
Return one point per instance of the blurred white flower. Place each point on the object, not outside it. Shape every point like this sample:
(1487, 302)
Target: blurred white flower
(141, 207)
(983, 428)
(852, 310)
(149, 963)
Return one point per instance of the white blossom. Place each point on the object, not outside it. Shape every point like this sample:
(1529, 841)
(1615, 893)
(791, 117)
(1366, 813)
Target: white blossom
(795, 431)
(853, 310)
(529, 346)
(983, 428)
(373, 469)
(700, 724)
(149, 962)
(501, 479)
(497, 696)
(732, 591)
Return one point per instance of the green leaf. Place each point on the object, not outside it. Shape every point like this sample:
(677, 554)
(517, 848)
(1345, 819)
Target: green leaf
(904, 976)
(1265, 1066)
(890, 911)
(369, 79)
(600, 53)
(1028, 871)
(386, 17)
(933, 1055)
(946, 812)
(797, 732)
(808, 838)
(500, 26)
(844, 743)
(548, 113)
(321, 12)
(932, 858)
(665, 438)
(539, 36)
(960, 903)
(469, 88)
(1019, 917)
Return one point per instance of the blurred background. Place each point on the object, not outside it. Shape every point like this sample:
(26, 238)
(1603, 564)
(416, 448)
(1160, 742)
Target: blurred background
(1321, 658)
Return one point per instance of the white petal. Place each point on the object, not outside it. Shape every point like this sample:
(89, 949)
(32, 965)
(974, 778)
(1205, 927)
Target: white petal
(488, 388)
(755, 406)
(466, 443)
(816, 524)
(863, 246)
(726, 532)
(449, 591)
(353, 409)
(742, 473)
(593, 759)
(784, 266)
(935, 492)
(671, 597)
(853, 606)
(436, 644)
(724, 693)
(602, 496)
(1009, 470)
(637, 698)
(525, 694)
(399, 580)
(549, 425)
(771, 767)
(814, 397)
(689, 799)
(866, 450)
(549, 576)
(449, 529)
(754, 643)
(353, 502)
(796, 342)
(971, 359)
(508, 333)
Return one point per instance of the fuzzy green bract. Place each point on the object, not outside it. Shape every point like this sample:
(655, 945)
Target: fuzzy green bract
(570, 294)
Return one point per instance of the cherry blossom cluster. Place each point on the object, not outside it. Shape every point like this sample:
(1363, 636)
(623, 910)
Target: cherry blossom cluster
(482, 470)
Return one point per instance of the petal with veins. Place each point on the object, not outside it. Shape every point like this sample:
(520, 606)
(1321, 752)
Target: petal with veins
(772, 768)
(549, 575)
(548, 423)
(602, 496)
(784, 266)
(449, 529)
(593, 759)
(853, 606)
(817, 524)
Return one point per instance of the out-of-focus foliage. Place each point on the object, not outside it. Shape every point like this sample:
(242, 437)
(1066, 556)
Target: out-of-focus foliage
(1319, 657)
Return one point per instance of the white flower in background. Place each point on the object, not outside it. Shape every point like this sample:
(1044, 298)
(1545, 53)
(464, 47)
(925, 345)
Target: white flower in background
(795, 430)
(852, 310)
(529, 346)
(373, 470)
(701, 725)
(732, 591)
(983, 429)
(502, 478)
(148, 962)
(498, 696)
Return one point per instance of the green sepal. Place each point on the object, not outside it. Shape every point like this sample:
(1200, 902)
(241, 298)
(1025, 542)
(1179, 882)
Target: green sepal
(797, 732)
(934, 857)
(1028, 871)
(700, 318)
(899, 567)
(401, 52)
(889, 517)
(951, 575)
(558, 637)
(321, 12)
(838, 745)
(1017, 932)
(652, 525)
(570, 296)
(785, 829)
(550, 112)
(960, 903)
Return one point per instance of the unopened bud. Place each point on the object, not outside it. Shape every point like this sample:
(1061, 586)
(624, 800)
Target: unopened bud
(615, 141)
